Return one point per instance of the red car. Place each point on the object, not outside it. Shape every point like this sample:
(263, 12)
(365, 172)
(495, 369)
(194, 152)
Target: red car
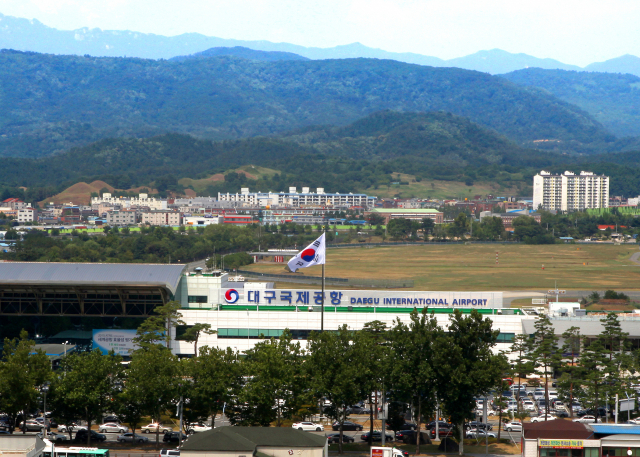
(442, 431)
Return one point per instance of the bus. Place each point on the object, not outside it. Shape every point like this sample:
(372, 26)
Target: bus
(73, 451)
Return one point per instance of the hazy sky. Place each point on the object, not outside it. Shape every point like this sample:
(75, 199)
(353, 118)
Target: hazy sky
(572, 31)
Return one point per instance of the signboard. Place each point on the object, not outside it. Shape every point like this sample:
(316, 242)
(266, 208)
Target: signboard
(627, 405)
(120, 341)
(556, 292)
(538, 301)
(360, 298)
(561, 444)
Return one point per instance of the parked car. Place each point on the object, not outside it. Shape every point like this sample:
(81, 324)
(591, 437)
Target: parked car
(112, 427)
(441, 424)
(173, 437)
(31, 425)
(475, 433)
(153, 428)
(476, 425)
(401, 434)
(81, 435)
(513, 426)
(347, 426)
(308, 426)
(334, 438)
(57, 437)
(358, 410)
(71, 428)
(542, 418)
(111, 418)
(50, 422)
(528, 405)
(132, 438)
(405, 426)
(586, 420)
(195, 428)
(442, 432)
(562, 414)
(377, 436)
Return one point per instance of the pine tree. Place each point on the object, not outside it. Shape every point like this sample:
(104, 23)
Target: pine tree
(546, 355)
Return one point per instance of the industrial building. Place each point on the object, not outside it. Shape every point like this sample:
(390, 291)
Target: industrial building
(570, 192)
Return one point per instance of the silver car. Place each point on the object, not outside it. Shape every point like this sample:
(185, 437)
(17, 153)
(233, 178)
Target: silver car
(112, 427)
(57, 437)
(132, 438)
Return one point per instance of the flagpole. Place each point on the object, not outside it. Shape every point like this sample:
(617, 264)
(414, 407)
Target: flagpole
(325, 261)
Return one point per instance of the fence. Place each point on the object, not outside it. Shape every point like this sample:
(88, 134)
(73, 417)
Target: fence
(415, 243)
(354, 282)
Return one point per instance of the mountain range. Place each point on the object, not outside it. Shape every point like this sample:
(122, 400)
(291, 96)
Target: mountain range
(31, 35)
(58, 102)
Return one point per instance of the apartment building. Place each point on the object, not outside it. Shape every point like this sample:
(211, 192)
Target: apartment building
(306, 198)
(143, 200)
(27, 215)
(570, 192)
(122, 217)
(172, 218)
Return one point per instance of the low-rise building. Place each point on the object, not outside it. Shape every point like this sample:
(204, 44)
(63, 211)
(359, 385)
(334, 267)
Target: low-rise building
(122, 217)
(14, 203)
(412, 214)
(27, 214)
(172, 218)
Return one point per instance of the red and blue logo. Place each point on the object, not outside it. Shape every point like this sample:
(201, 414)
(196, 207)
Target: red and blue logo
(231, 296)
(308, 255)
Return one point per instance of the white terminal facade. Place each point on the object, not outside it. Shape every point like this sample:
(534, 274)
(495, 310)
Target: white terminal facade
(298, 199)
(246, 313)
(570, 192)
(142, 200)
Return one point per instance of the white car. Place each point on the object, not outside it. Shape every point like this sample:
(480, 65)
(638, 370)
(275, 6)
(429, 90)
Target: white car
(528, 405)
(512, 426)
(553, 395)
(586, 420)
(112, 427)
(153, 428)
(57, 437)
(475, 433)
(70, 428)
(308, 426)
(538, 395)
(542, 418)
(195, 428)
(558, 405)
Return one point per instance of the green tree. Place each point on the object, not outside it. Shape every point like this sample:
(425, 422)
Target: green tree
(571, 370)
(192, 334)
(522, 366)
(334, 368)
(157, 327)
(467, 366)
(273, 387)
(427, 225)
(153, 377)
(546, 356)
(23, 371)
(413, 375)
(592, 360)
(88, 383)
(459, 227)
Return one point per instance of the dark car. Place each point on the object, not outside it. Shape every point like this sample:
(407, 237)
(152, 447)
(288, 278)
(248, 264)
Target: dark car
(358, 410)
(335, 438)
(562, 414)
(405, 426)
(81, 435)
(442, 432)
(591, 412)
(173, 437)
(478, 425)
(401, 434)
(441, 424)
(377, 436)
(111, 419)
(348, 426)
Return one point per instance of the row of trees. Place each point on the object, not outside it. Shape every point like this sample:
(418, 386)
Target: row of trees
(588, 368)
(277, 380)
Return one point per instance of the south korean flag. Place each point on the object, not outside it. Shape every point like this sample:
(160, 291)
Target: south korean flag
(313, 254)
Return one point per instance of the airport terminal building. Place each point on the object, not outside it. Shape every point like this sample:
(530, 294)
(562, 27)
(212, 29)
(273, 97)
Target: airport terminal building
(244, 313)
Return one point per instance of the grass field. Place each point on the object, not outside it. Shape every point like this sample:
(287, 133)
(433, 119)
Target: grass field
(473, 267)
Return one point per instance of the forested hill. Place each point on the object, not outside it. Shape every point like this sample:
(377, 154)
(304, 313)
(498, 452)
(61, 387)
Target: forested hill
(612, 99)
(242, 52)
(49, 104)
(437, 145)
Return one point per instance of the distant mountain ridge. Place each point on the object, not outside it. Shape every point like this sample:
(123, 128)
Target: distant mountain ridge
(243, 53)
(58, 102)
(31, 35)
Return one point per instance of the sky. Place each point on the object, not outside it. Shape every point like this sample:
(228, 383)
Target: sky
(576, 32)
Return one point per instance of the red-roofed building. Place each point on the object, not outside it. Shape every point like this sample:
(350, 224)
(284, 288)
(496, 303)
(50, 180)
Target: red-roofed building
(14, 203)
(611, 227)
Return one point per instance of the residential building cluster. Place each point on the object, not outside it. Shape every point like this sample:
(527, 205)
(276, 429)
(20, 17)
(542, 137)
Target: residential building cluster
(570, 192)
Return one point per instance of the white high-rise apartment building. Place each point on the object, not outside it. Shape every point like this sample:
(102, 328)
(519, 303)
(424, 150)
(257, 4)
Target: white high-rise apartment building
(570, 192)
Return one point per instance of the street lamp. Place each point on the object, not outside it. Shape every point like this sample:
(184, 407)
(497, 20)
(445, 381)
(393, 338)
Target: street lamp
(44, 389)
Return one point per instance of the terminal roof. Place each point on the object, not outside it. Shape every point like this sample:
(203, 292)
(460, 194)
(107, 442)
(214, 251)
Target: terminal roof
(90, 274)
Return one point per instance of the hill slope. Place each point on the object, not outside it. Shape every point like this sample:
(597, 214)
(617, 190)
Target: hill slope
(243, 53)
(623, 64)
(57, 102)
(612, 99)
(434, 144)
(496, 61)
